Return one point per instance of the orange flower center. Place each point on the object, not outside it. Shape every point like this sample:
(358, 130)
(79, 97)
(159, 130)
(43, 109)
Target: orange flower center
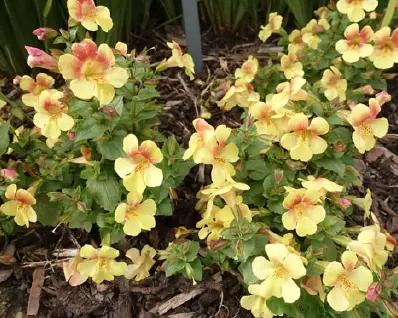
(219, 161)
(142, 166)
(280, 272)
(102, 261)
(304, 136)
(299, 209)
(365, 130)
(344, 282)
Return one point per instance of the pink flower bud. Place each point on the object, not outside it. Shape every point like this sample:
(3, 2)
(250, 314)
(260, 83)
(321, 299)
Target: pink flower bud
(367, 90)
(122, 48)
(345, 203)
(71, 135)
(373, 291)
(45, 33)
(352, 104)
(9, 174)
(16, 80)
(39, 58)
(383, 97)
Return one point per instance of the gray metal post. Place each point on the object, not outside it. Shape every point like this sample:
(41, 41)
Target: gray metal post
(192, 32)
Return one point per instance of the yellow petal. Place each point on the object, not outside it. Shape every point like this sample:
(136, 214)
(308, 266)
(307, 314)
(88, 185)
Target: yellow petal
(276, 252)
(305, 226)
(301, 151)
(337, 299)
(133, 254)
(290, 291)
(65, 122)
(120, 213)
(317, 145)
(262, 268)
(116, 76)
(134, 197)
(135, 182)
(51, 130)
(31, 214)
(349, 260)
(153, 176)
(123, 166)
(89, 24)
(67, 65)
(117, 268)
(41, 119)
(379, 127)
(104, 92)
(82, 88)
(361, 277)
(132, 227)
(30, 99)
(316, 213)
(103, 18)
(146, 222)
(11, 191)
(289, 141)
(289, 221)
(332, 272)
(108, 252)
(9, 208)
(88, 251)
(148, 207)
(88, 268)
(150, 147)
(294, 265)
(130, 145)
(319, 126)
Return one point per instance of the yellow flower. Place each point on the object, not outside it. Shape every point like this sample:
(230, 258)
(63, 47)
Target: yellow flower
(334, 85)
(72, 275)
(356, 44)
(178, 59)
(198, 141)
(322, 185)
(240, 95)
(370, 246)
(270, 120)
(90, 16)
(273, 26)
(366, 125)
(304, 141)
(355, 9)
(296, 44)
(142, 264)
(227, 191)
(100, 264)
(291, 67)
(19, 206)
(304, 211)
(257, 301)
(279, 271)
(139, 171)
(43, 82)
(212, 226)
(311, 30)
(385, 48)
(135, 215)
(349, 283)
(289, 91)
(248, 71)
(322, 12)
(92, 71)
(51, 115)
(220, 155)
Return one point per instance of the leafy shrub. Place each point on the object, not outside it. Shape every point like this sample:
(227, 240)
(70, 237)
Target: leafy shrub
(277, 205)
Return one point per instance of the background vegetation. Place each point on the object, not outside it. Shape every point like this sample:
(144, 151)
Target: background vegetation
(224, 17)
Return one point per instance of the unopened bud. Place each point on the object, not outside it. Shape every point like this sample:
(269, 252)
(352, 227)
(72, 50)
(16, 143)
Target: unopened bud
(81, 206)
(373, 291)
(9, 174)
(339, 146)
(342, 240)
(278, 176)
(45, 33)
(344, 203)
(16, 80)
(71, 135)
(122, 48)
(373, 15)
(295, 165)
(383, 97)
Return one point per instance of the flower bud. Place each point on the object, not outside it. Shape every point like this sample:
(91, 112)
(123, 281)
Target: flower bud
(9, 174)
(39, 58)
(345, 203)
(339, 146)
(373, 15)
(122, 48)
(16, 80)
(278, 176)
(373, 291)
(45, 33)
(295, 165)
(71, 135)
(383, 97)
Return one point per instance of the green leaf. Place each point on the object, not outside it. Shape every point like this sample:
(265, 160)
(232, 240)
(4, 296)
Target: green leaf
(332, 164)
(257, 169)
(147, 93)
(173, 268)
(197, 269)
(245, 268)
(111, 148)
(4, 137)
(279, 307)
(106, 191)
(89, 129)
(47, 212)
(164, 208)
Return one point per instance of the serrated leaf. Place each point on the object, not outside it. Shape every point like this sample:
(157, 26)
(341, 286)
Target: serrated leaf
(164, 208)
(111, 148)
(106, 192)
(89, 129)
(332, 164)
(47, 212)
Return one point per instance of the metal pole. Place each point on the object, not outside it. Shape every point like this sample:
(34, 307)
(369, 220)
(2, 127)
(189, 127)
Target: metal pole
(192, 32)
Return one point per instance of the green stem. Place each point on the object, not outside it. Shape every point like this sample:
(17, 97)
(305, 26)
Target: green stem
(389, 13)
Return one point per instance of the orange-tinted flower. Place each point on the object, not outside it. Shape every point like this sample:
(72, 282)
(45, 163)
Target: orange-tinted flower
(273, 26)
(39, 58)
(291, 67)
(90, 16)
(289, 91)
(198, 141)
(51, 116)
(304, 141)
(355, 9)
(310, 32)
(92, 71)
(385, 49)
(296, 42)
(356, 44)
(241, 94)
(334, 85)
(122, 48)
(178, 59)
(248, 70)
(322, 12)
(43, 82)
(366, 125)
(139, 170)
(19, 205)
